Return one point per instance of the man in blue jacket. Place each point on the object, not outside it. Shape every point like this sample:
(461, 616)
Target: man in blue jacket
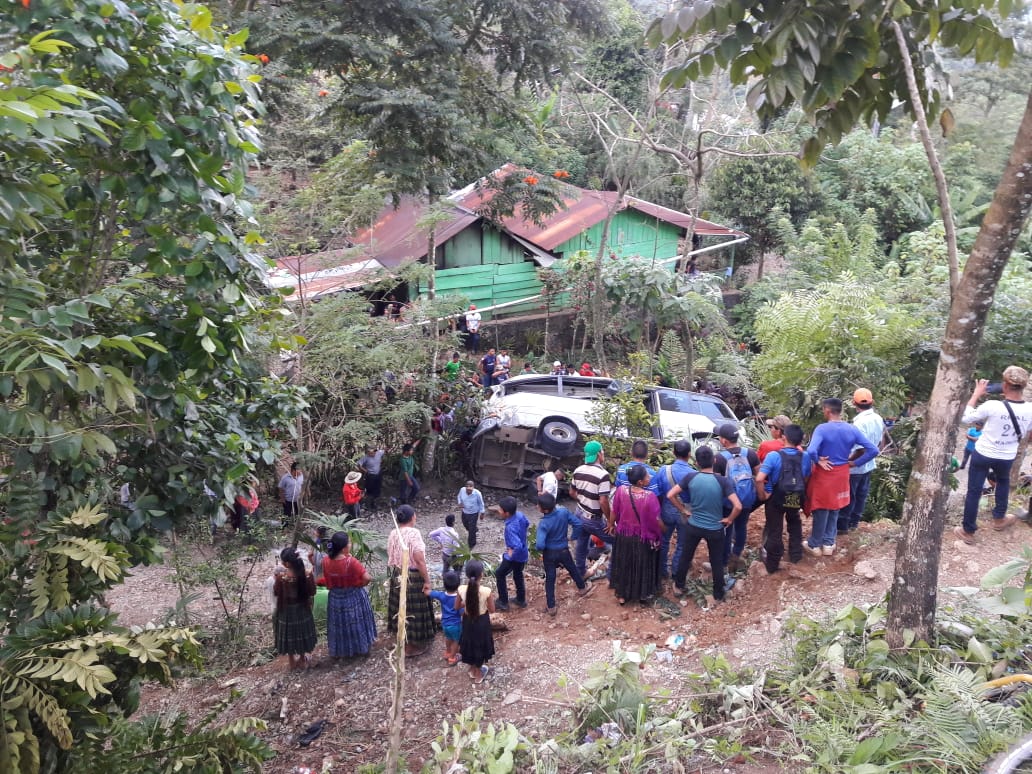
(553, 541)
(666, 479)
(515, 556)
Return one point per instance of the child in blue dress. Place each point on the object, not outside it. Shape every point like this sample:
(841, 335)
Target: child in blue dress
(451, 616)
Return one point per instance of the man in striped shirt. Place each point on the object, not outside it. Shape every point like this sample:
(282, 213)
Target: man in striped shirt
(591, 486)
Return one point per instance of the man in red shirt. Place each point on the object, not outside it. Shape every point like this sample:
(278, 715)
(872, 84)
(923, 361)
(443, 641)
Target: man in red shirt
(777, 427)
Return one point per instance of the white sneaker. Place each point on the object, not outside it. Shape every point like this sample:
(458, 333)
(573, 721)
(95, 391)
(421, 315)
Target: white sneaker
(828, 550)
(811, 550)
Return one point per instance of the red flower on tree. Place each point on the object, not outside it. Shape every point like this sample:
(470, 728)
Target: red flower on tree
(25, 3)
(530, 180)
(263, 58)
(323, 92)
(560, 174)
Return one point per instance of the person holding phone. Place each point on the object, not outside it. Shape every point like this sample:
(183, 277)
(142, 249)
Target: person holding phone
(1004, 423)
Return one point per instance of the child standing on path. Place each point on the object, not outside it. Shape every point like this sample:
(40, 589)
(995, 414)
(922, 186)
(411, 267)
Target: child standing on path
(451, 615)
(476, 641)
(515, 556)
(352, 495)
(448, 539)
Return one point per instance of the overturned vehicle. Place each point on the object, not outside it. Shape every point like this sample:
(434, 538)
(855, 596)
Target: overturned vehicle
(532, 423)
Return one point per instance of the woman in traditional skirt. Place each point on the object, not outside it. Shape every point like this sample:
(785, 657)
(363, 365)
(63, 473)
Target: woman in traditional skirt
(294, 625)
(350, 626)
(476, 641)
(636, 571)
(419, 613)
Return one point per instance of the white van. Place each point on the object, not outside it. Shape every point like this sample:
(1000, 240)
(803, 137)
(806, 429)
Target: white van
(537, 422)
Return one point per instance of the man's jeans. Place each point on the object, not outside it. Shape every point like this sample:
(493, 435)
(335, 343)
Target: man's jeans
(553, 559)
(777, 518)
(673, 522)
(408, 491)
(469, 521)
(516, 568)
(715, 545)
(853, 514)
(735, 535)
(589, 527)
(977, 472)
(825, 528)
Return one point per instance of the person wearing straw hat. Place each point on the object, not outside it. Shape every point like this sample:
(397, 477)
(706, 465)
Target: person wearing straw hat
(352, 494)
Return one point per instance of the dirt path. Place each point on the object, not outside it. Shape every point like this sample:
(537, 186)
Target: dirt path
(536, 652)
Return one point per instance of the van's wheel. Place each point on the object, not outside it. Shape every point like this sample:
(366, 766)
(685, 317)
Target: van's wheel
(557, 436)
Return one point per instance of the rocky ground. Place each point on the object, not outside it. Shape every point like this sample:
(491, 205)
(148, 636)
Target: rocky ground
(540, 660)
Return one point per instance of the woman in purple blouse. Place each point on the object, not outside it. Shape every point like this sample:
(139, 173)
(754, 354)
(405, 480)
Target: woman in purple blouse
(635, 574)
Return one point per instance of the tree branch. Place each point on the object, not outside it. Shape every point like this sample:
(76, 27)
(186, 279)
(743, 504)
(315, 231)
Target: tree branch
(941, 189)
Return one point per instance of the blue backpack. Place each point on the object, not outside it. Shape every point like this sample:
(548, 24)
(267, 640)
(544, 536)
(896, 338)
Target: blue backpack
(740, 472)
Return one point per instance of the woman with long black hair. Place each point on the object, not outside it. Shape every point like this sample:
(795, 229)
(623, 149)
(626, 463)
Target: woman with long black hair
(476, 642)
(293, 624)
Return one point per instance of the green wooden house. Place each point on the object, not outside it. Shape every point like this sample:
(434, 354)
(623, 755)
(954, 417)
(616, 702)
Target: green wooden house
(495, 266)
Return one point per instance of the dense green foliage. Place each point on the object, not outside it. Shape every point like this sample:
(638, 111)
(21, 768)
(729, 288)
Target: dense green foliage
(412, 77)
(830, 60)
(131, 344)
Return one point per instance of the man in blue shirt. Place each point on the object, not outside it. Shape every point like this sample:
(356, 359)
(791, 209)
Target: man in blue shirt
(639, 456)
(472, 504)
(831, 452)
(291, 487)
(783, 498)
(706, 520)
(553, 543)
(515, 556)
(665, 480)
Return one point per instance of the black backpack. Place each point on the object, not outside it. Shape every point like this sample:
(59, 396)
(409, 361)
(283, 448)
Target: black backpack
(791, 480)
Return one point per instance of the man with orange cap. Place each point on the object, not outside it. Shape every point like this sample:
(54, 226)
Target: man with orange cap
(870, 423)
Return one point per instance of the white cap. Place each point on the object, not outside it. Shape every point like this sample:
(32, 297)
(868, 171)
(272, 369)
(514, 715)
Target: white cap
(556, 364)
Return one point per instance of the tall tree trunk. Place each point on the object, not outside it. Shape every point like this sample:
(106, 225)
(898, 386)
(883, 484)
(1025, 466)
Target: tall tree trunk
(912, 598)
(941, 190)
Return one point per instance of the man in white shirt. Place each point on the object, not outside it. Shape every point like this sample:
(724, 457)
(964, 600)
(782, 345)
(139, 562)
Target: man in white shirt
(473, 329)
(870, 423)
(1004, 423)
(290, 488)
(548, 483)
(472, 504)
(370, 464)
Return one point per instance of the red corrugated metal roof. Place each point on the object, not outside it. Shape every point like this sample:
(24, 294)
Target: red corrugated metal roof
(395, 237)
(682, 219)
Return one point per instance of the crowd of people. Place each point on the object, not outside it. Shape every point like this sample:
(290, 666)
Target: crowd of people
(652, 521)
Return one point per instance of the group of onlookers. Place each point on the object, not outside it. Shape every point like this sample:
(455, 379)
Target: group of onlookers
(638, 512)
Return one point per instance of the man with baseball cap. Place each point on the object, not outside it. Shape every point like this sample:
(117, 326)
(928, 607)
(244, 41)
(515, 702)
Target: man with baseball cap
(1004, 423)
(726, 464)
(591, 486)
(870, 423)
(777, 427)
